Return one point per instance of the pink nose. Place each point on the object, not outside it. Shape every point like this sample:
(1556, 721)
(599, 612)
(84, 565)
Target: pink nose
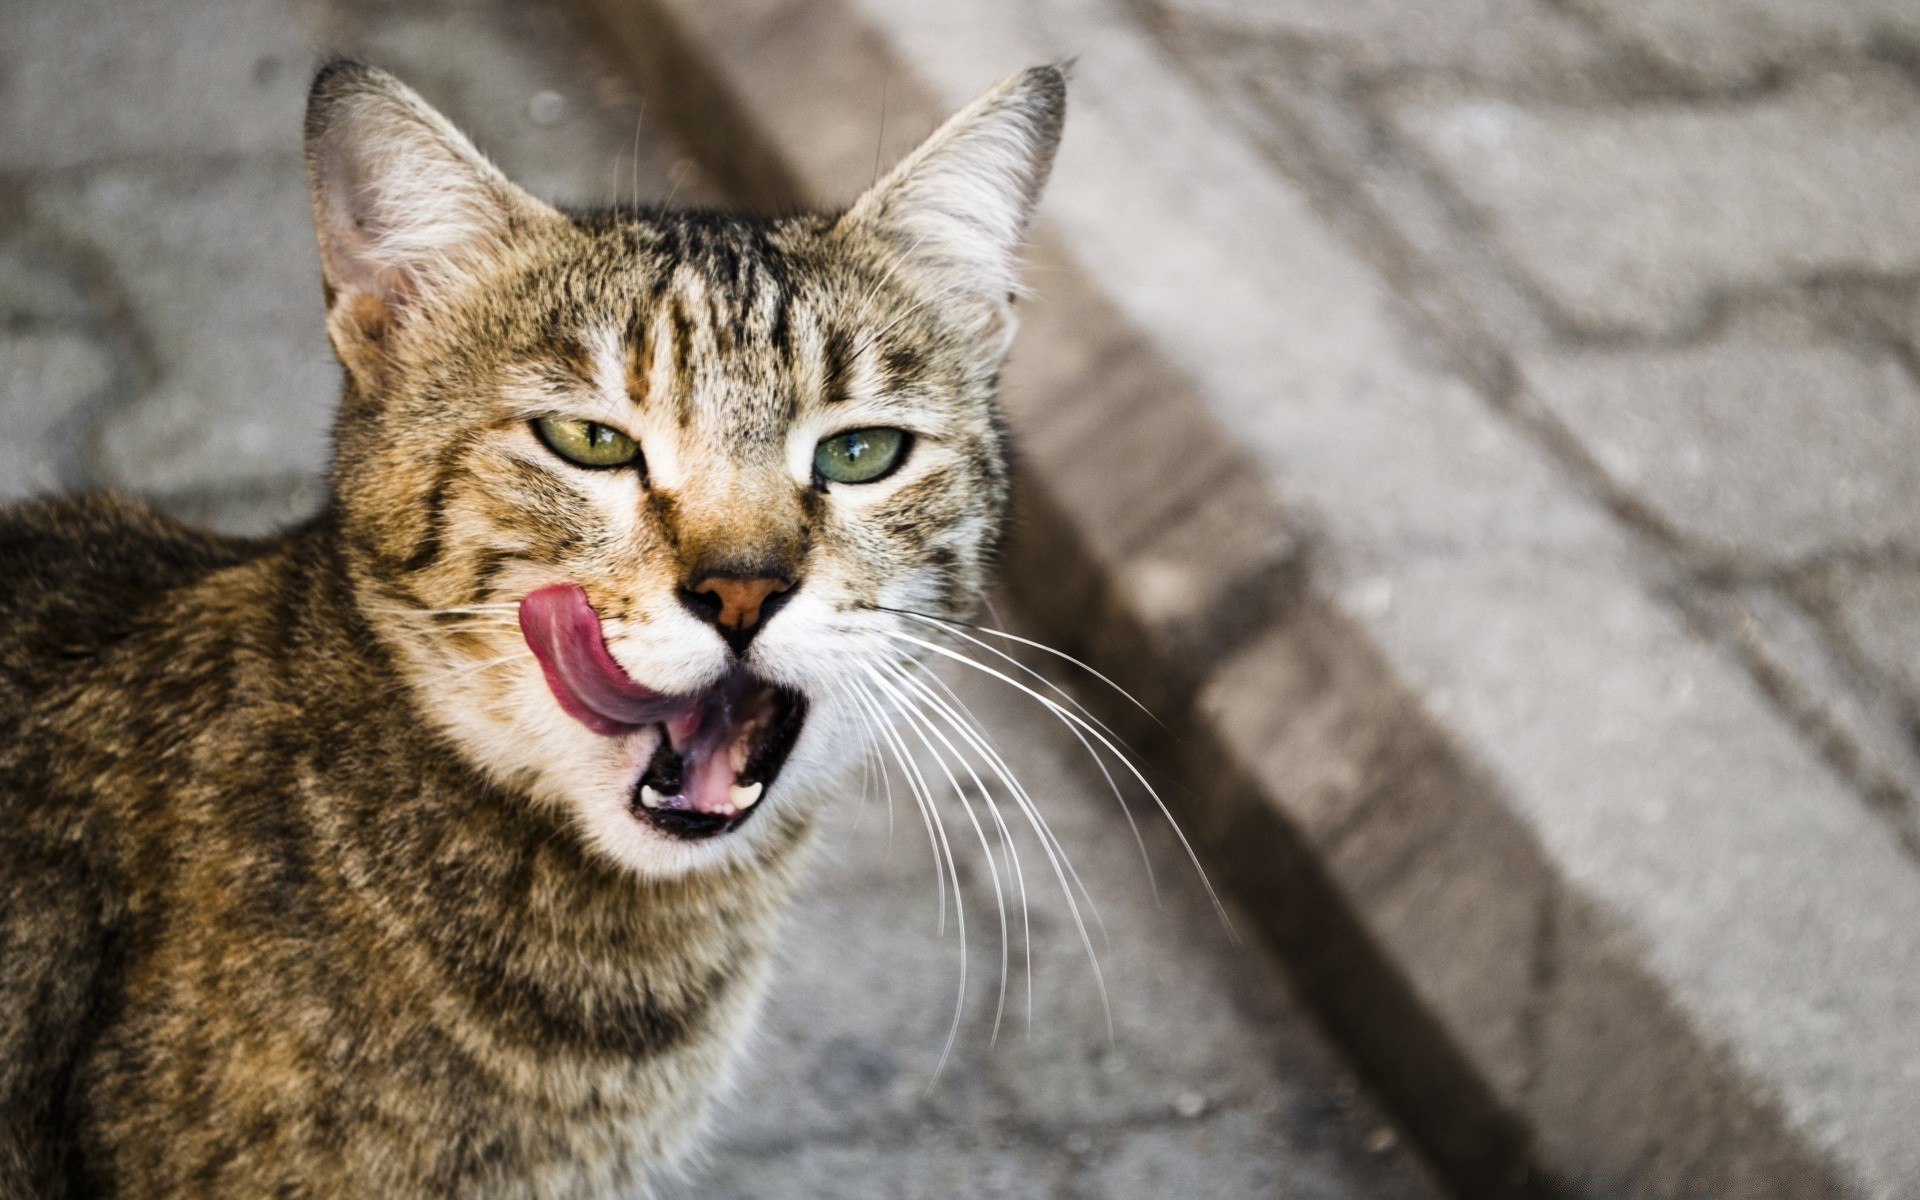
(736, 607)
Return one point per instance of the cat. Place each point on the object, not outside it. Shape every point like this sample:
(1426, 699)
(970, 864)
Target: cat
(435, 847)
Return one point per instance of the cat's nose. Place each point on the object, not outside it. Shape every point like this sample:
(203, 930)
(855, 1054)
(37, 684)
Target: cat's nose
(737, 606)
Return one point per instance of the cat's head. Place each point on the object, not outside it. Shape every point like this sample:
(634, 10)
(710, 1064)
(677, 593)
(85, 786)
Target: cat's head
(640, 500)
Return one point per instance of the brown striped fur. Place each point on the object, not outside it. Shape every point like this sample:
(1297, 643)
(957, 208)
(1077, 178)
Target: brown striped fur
(308, 888)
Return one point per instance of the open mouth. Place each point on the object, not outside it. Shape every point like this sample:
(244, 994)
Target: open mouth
(715, 763)
(720, 748)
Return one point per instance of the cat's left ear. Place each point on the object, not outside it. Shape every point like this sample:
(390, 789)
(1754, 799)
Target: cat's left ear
(403, 204)
(958, 207)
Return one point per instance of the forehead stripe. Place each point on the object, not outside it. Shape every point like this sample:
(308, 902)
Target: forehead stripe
(836, 366)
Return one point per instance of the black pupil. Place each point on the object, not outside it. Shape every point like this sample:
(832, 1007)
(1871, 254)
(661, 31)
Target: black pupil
(857, 447)
(599, 435)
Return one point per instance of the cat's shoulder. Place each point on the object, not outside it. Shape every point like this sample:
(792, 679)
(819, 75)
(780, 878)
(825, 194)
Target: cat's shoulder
(78, 572)
(114, 548)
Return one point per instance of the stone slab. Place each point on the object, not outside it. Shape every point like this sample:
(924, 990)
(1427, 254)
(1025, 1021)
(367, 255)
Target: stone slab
(1728, 43)
(513, 77)
(1633, 217)
(1665, 789)
(218, 265)
(38, 284)
(1877, 608)
(46, 379)
(1757, 452)
(1842, 698)
(1318, 721)
(216, 77)
(1370, 36)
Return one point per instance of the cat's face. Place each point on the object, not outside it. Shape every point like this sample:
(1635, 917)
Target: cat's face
(643, 502)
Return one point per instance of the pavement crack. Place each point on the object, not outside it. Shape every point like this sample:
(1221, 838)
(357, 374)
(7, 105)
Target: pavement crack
(1543, 977)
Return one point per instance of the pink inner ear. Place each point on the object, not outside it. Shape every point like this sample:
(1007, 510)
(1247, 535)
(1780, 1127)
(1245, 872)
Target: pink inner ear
(563, 632)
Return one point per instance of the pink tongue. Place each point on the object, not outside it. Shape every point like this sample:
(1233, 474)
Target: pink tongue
(707, 785)
(564, 633)
(700, 738)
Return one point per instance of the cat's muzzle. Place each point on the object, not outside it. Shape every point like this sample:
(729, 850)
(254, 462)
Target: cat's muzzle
(719, 749)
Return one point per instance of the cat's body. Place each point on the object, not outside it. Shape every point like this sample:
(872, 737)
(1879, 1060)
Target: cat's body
(318, 876)
(269, 915)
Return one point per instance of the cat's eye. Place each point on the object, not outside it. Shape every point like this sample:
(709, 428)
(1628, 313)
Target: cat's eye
(586, 443)
(860, 455)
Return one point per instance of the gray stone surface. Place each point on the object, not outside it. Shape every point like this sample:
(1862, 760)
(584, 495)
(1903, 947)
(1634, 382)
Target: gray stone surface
(45, 379)
(155, 151)
(1483, 36)
(36, 285)
(1633, 216)
(210, 78)
(1731, 42)
(1758, 450)
(1878, 609)
(160, 331)
(217, 259)
(1839, 696)
(1455, 887)
(519, 80)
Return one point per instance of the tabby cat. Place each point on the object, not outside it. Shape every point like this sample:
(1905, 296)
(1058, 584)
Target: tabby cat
(435, 847)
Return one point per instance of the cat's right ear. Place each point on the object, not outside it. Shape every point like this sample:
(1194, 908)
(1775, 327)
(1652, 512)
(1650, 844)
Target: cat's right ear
(957, 208)
(403, 204)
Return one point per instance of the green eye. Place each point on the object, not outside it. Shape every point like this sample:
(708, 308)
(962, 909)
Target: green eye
(860, 455)
(587, 443)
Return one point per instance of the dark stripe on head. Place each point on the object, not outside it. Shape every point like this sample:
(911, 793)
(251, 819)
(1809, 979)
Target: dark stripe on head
(572, 361)
(637, 360)
(902, 365)
(724, 325)
(427, 551)
(682, 336)
(836, 366)
(781, 331)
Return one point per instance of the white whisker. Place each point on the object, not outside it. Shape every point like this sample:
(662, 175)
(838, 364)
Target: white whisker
(931, 811)
(959, 628)
(502, 608)
(922, 727)
(923, 800)
(1069, 716)
(1056, 852)
(1113, 785)
(840, 691)
(444, 674)
(970, 728)
(1006, 839)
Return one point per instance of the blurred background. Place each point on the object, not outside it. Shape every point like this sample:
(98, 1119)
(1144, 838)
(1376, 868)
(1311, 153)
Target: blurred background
(1484, 432)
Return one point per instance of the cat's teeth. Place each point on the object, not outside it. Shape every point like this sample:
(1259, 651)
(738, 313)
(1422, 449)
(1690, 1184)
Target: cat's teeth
(651, 798)
(745, 795)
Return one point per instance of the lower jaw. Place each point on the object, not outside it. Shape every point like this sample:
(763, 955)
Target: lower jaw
(691, 825)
